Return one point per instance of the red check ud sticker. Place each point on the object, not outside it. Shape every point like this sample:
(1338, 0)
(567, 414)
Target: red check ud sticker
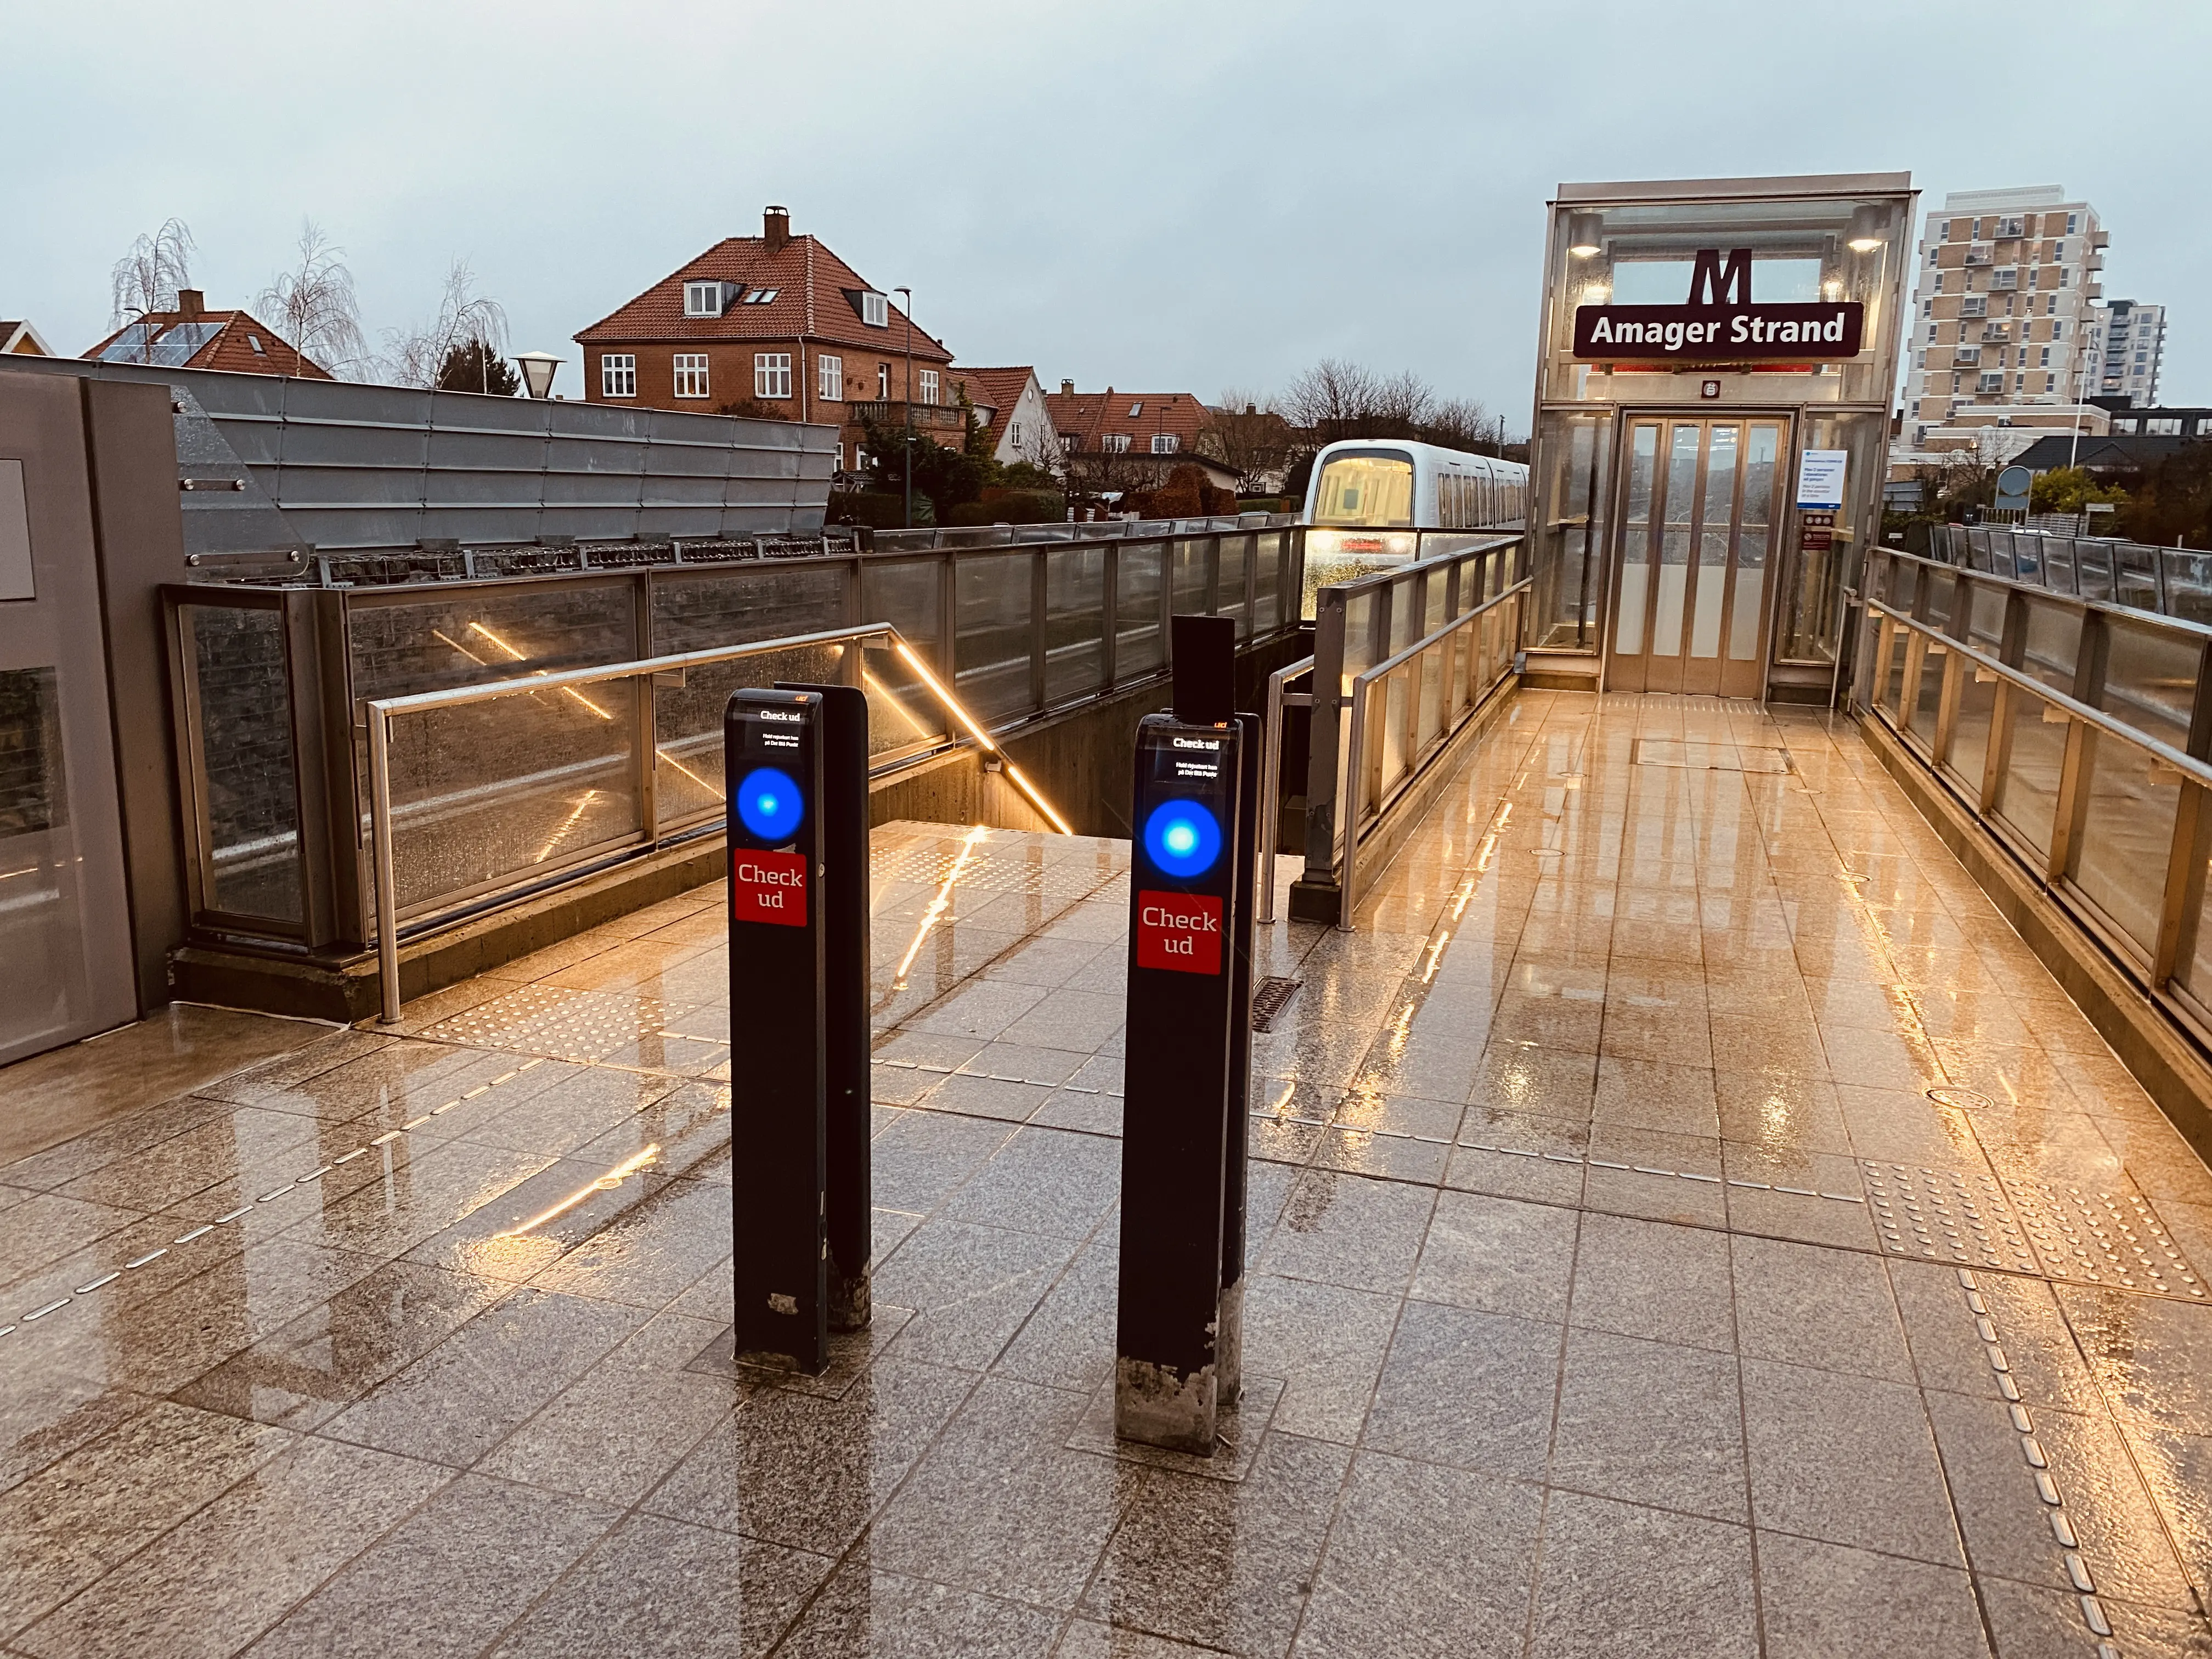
(769, 887)
(1179, 932)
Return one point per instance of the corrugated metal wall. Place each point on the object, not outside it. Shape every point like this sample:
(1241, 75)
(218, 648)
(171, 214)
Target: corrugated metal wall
(345, 467)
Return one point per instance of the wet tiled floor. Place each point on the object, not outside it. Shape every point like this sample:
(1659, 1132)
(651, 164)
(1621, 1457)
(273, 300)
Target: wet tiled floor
(1685, 1219)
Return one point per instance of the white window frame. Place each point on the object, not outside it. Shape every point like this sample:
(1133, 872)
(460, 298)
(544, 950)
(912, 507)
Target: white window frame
(702, 299)
(618, 374)
(1115, 443)
(875, 308)
(1165, 443)
(689, 372)
(883, 383)
(929, 388)
(772, 374)
(829, 378)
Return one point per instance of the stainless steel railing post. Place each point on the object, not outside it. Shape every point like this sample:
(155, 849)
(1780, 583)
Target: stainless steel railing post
(387, 892)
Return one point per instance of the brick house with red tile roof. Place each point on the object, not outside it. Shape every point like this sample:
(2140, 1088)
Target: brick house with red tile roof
(774, 323)
(1131, 440)
(1009, 405)
(192, 337)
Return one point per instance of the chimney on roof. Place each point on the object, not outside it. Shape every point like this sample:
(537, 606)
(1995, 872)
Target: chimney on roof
(190, 302)
(1068, 388)
(775, 228)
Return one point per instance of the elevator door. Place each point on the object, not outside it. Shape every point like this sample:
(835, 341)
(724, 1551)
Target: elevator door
(1697, 541)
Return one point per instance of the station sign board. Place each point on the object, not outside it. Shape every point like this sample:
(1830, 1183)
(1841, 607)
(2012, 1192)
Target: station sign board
(1720, 323)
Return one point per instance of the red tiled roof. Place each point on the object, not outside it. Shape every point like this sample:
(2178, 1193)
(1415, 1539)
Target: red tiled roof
(1089, 416)
(997, 390)
(816, 295)
(241, 345)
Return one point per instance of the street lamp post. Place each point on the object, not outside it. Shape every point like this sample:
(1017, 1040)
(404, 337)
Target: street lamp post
(908, 309)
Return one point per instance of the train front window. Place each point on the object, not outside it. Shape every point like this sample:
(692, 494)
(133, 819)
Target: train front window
(1366, 489)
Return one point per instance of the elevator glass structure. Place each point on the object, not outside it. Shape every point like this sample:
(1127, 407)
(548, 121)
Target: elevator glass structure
(1719, 358)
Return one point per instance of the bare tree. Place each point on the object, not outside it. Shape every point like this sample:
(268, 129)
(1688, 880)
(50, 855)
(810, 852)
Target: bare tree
(1332, 399)
(415, 356)
(147, 278)
(1247, 435)
(315, 305)
(1464, 424)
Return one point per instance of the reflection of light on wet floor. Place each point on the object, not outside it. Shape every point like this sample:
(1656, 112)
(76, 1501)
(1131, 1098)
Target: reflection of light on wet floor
(605, 1183)
(566, 824)
(939, 905)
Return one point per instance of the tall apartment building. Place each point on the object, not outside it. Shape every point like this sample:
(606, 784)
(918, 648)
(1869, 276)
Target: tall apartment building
(2127, 341)
(2001, 311)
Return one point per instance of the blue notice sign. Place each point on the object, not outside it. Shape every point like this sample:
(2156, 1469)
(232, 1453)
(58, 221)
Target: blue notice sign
(1820, 478)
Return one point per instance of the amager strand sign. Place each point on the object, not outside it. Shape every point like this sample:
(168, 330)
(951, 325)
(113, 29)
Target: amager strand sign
(1721, 324)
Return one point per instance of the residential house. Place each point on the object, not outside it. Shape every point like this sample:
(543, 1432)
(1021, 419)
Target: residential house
(192, 337)
(20, 337)
(777, 326)
(1121, 441)
(1009, 405)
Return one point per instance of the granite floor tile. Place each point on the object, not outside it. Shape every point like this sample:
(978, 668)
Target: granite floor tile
(1651, 1423)
(1809, 1306)
(1326, 1342)
(1349, 1230)
(1618, 1580)
(658, 1586)
(883, 1615)
(999, 1506)
(2030, 1622)
(667, 1234)
(970, 1288)
(244, 1561)
(1043, 1180)
(920, 1159)
(1650, 1280)
(447, 1580)
(2154, 1355)
(1824, 1601)
(1949, 1354)
(1475, 1390)
(1850, 1460)
(1498, 1255)
(1223, 1564)
(1423, 1563)
(796, 1469)
(1068, 1342)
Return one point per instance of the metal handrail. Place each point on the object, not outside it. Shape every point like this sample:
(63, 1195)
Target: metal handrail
(1271, 773)
(1356, 759)
(380, 712)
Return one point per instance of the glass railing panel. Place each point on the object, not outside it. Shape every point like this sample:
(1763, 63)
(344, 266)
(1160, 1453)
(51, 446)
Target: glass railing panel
(1985, 618)
(2135, 577)
(904, 715)
(2054, 639)
(1266, 598)
(1359, 637)
(1970, 728)
(1235, 554)
(1074, 623)
(1889, 669)
(1139, 650)
(2188, 584)
(493, 792)
(703, 611)
(2127, 835)
(1928, 693)
(2150, 678)
(1398, 689)
(904, 592)
(242, 715)
(2027, 794)
(1193, 559)
(996, 627)
(1432, 666)
(2095, 564)
(687, 721)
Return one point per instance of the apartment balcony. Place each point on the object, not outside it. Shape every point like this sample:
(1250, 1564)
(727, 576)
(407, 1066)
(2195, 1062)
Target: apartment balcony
(934, 420)
(1966, 357)
(1981, 254)
(1996, 334)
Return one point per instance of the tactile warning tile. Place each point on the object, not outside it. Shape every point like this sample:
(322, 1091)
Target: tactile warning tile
(552, 1020)
(2103, 1236)
(1945, 1215)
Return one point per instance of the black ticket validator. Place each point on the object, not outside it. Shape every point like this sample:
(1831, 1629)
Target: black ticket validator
(1184, 1056)
(779, 1122)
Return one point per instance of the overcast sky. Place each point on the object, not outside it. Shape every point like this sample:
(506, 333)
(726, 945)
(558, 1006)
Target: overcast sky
(1160, 195)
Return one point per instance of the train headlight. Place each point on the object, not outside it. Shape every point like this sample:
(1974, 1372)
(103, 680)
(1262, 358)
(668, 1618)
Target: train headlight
(1323, 541)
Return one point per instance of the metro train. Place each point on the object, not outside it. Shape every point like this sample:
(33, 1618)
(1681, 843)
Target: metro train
(1373, 486)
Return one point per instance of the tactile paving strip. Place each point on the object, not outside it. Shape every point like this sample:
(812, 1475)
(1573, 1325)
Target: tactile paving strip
(2103, 1237)
(1945, 1215)
(985, 874)
(565, 1024)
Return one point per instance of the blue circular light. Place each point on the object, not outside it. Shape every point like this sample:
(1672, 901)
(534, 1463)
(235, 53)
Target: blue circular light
(770, 804)
(1182, 839)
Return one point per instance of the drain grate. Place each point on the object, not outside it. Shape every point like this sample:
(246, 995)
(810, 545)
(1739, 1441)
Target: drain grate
(2109, 1237)
(1269, 997)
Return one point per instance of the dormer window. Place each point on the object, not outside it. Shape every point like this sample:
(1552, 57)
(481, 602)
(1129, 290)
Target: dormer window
(1164, 443)
(875, 309)
(702, 299)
